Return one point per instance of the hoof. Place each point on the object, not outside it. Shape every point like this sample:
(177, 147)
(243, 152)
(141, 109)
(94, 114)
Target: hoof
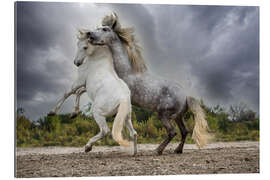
(134, 152)
(135, 148)
(51, 113)
(73, 115)
(177, 151)
(88, 148)
(157, 152)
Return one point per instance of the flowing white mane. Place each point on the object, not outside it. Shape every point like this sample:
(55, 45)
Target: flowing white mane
(127, 36)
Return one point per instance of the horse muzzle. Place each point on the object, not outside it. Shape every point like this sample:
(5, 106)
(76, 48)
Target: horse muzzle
(78, 63)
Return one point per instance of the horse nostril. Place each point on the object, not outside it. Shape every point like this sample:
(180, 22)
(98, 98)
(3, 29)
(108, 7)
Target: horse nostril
(77, 63)
(91, 38)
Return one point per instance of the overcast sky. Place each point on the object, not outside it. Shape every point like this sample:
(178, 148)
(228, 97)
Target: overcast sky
(212, 51)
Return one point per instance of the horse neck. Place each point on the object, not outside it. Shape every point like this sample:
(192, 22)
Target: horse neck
(100, 61)
(120, 59)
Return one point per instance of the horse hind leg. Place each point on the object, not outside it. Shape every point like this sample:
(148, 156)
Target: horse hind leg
(104, 131)
(171, 131)
(180, 123)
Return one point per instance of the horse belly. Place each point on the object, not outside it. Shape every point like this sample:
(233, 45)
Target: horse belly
(156, 95)
(143, 95)
(144, 100)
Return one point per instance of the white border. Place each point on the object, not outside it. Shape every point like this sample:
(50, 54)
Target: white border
(7, 85)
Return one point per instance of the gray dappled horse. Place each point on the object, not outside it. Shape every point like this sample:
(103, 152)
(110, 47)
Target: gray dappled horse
(148, 91)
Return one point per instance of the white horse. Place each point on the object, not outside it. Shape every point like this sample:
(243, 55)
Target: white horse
(109, 94)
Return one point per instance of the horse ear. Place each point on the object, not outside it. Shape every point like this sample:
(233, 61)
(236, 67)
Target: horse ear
(114, 25)
(115, 20)
(80, 31)
(114, 15)
(81, 34)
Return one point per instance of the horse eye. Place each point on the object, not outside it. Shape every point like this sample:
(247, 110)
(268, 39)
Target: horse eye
(105, 29)
(88, 34)
(85, 48)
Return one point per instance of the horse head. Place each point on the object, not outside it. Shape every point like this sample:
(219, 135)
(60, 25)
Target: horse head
(84, 47)
(103, 35)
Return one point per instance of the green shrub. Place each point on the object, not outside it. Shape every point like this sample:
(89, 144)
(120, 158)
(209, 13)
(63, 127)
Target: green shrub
(150, 128)
(83, 126)
(60, 130)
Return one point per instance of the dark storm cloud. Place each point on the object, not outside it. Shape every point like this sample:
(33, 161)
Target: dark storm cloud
(235, 62)
(33, 42)
(212, 51)
(216, 49)
(45, 52)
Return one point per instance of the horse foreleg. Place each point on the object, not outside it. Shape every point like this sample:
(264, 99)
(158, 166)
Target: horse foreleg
(171, 131)
(180, 123)
(77, 102)
(133, 133)
(104, 130)
(59, 103)
(62, 100)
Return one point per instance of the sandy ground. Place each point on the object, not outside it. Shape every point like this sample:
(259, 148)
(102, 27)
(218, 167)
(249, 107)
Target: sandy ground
(233, 157)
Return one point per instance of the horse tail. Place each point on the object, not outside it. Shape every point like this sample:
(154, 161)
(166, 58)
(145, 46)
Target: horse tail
(118, 123)
(200, 133)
